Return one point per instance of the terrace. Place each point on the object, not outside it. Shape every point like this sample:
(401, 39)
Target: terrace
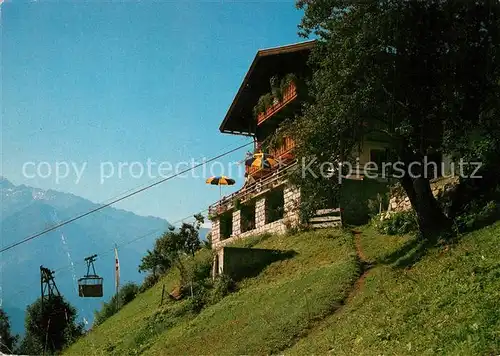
(261, 186)
(283, 154)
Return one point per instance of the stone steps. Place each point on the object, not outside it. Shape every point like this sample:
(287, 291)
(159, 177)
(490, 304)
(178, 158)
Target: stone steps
(325, 218)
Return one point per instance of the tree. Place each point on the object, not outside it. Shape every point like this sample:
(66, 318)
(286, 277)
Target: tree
(190, 236)
(154, 262)
(7, 340)
(422, 75)
(170, 248)
(51, 328)
(208, 241)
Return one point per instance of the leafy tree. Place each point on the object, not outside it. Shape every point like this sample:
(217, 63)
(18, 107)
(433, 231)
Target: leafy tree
(208, 242)
(154, 262)
(30, 345)
(423, 76)
(51, 328)
(190, 236)
(7, 340)
(172, 246)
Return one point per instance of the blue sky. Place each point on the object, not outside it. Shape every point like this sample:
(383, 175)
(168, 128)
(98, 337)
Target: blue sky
(127, 82)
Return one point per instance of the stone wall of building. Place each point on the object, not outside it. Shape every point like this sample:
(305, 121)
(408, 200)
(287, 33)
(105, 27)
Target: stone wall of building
(291, 218)
(236, 223)
(215, 232)
(260, 213)
(292, 205)
(277, 227)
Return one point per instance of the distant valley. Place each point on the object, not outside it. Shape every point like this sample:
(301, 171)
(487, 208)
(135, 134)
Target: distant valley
(26, 210)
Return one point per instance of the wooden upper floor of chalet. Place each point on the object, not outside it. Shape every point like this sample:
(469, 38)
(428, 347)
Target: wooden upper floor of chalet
(279, 61)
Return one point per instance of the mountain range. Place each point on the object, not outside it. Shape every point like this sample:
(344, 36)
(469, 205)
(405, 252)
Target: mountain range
(26, 210)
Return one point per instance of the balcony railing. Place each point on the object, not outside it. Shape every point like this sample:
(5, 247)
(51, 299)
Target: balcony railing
(289, 94)
(285, 149)
(276, 178)
(282, 153)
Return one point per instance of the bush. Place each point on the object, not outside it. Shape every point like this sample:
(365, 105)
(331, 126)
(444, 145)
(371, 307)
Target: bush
(198, 268)
(197, 285)
(108, 309)
(207, 292)
(207, 243)
(149, 281)
(478, 216)
(399, 223)
(222, 286)
(380, 201)
(125, 295)
(199, 296)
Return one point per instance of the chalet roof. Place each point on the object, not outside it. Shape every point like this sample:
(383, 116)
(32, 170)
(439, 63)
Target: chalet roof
(267, 62)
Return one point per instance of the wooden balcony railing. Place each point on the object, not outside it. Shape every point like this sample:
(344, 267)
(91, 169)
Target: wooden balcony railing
(289, 94)
(282, 153)
(285, 149)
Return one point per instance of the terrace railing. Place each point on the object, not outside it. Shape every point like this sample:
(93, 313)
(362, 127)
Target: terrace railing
(270, 181)
(282, 153)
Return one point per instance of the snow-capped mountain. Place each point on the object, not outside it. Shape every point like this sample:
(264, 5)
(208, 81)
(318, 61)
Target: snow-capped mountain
(27, 210)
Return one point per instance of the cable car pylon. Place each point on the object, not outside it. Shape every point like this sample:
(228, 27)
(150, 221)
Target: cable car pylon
(90, 285)
(48, 287)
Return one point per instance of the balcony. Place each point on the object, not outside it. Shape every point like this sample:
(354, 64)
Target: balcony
(289, 94)
(284, 155)
(285, 150)
(260, 186)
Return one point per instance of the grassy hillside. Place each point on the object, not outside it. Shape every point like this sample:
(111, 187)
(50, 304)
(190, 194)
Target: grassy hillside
(448, 303)
(314, 303)
(268, 313)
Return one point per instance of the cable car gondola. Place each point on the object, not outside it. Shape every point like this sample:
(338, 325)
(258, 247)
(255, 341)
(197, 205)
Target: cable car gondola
(90, 285)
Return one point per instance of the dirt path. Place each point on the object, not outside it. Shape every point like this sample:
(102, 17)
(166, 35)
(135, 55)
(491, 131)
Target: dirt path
(366, 268)
(359, 249)
(357, 287)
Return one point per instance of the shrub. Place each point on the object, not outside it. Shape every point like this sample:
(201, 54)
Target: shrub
(477, 216)
(207, 292)
(375, 205)
(207, 243)
(199, 296)
(222, 286)
(198, 287)
(399, 223)
(356, 212)
(107, 310)
(149, 281)
(125, 295)
(198, 268)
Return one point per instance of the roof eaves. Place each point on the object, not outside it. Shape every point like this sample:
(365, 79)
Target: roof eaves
(263, 53)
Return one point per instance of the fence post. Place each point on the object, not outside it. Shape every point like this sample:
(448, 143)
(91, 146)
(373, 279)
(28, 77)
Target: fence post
(162, 294)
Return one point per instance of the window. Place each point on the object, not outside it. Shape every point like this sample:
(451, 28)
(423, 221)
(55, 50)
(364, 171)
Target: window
(378, 156)
(226, 225)
(247, 217)
(275, 205)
